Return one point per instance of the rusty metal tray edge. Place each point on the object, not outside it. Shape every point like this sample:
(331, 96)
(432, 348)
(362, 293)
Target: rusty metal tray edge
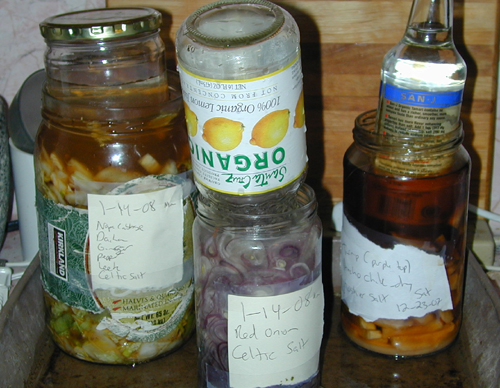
(22, 326)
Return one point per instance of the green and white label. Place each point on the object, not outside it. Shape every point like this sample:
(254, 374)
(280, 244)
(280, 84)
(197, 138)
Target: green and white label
(126, 254)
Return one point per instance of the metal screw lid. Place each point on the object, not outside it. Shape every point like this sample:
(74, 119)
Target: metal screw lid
(100, 24)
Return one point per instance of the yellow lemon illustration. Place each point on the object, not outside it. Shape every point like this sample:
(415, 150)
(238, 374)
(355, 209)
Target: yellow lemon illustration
(191, 120)
(223, 134)
(271, 129)
(300, 114)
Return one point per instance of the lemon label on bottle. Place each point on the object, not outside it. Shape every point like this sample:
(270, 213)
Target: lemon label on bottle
(395, 283)
(246, 136)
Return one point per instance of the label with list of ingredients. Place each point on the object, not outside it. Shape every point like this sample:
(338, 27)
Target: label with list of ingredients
(393, 283)
(136, 240)
(275, 340)
(417, 113)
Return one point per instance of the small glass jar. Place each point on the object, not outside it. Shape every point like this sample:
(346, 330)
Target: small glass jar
(239, 62)
(113, 189)
(403, 240)
(258, 292)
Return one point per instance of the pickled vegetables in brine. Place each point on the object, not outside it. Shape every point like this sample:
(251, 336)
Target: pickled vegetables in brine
(147, 151)
(426, 216)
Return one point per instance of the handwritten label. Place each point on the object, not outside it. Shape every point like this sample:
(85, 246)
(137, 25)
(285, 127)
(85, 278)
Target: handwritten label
(136, 240)
(390, 283)
(275, 339)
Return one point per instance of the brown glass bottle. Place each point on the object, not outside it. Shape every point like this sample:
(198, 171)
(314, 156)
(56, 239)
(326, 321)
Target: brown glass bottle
(396, 210)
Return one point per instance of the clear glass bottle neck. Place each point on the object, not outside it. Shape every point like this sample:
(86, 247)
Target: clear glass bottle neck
(430, 21)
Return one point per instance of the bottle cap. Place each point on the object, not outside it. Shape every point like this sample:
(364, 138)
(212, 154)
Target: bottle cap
(100, 24)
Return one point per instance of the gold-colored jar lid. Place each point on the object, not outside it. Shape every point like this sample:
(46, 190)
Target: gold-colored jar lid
(100, 24)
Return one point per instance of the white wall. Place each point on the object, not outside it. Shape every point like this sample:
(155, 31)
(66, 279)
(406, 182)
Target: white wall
(21, 45)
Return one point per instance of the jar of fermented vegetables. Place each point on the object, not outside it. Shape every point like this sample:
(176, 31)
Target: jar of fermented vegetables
(403, 248)
(258, 292)
(113, 189)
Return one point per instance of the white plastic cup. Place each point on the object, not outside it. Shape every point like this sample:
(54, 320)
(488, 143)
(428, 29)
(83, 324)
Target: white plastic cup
(24, 186)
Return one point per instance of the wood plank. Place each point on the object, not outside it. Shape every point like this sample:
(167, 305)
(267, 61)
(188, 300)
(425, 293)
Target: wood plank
(343, 43)
(350, 21)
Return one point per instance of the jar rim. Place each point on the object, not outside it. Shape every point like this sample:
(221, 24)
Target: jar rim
(100, 24)
(364, 134)
(274, 215)
(234, 41)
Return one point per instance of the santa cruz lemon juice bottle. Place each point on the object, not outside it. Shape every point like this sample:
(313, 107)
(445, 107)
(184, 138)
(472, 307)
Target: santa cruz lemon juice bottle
(241, 77)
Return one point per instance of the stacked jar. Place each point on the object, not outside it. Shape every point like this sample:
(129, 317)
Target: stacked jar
(257, 237)
(112, 168)
(406, 190)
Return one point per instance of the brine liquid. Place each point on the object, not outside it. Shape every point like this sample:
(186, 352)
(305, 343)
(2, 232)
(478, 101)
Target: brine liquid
(428, 213)
(82, 142)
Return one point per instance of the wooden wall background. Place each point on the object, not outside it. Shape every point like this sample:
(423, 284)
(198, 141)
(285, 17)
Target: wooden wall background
(343, 43)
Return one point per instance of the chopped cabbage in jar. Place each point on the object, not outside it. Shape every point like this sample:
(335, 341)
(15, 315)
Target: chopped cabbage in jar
(76, 332)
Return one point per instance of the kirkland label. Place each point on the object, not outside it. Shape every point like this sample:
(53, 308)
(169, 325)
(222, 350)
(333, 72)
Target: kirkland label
(417, 113)
(63, 236)
(57, 252)
(246, 136)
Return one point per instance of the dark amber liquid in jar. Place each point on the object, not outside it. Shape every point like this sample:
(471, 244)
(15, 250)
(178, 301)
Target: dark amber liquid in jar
(427, 212)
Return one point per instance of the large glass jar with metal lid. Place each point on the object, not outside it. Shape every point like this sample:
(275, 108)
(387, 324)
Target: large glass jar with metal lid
(258, 292)
(403, 240)
(239, 62)
(112, 167)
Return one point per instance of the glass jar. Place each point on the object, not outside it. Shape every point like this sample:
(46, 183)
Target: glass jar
(258, 293)
(113, 189)
(241, 73)
(403, 240)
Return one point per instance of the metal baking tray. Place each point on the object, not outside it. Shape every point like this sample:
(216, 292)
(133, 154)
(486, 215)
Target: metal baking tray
(30, 359)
